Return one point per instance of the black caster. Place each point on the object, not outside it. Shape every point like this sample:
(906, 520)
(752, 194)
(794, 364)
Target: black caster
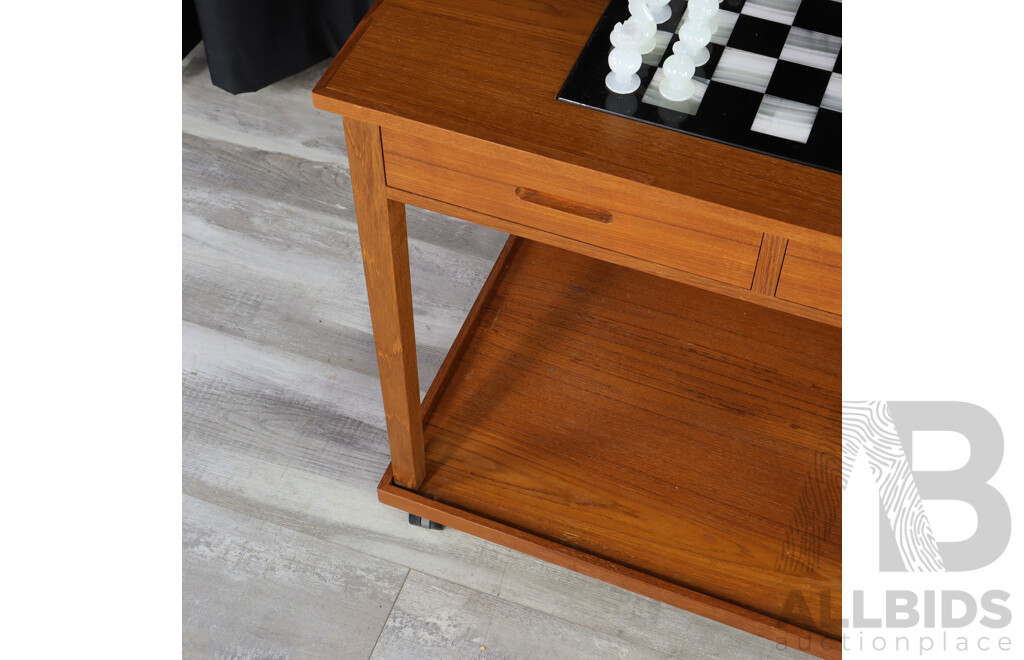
(423, 522)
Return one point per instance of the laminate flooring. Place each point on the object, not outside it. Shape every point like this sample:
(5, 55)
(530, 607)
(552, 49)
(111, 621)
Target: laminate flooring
(286, 552)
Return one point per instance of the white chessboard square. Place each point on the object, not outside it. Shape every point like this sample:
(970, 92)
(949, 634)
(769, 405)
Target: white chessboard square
(688, 107)
(810, 48)
(777, 11)
(661, 39)
(741, 68)
(789, 120)
(726, 23)
(833, 99)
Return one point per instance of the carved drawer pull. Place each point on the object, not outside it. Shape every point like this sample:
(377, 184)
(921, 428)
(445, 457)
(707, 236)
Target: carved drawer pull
(543, 199)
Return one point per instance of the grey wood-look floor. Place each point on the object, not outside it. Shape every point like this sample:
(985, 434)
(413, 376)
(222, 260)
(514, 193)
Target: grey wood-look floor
(286, 552)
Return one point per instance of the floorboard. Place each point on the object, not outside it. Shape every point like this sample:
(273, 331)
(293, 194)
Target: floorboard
(283, 440)
(437, 619)
(252, 589)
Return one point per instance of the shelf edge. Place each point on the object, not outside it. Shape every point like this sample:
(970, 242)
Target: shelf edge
(462, 339)
(741, 618)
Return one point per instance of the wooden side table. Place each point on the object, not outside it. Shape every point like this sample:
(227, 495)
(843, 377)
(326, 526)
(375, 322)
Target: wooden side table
(648, 388)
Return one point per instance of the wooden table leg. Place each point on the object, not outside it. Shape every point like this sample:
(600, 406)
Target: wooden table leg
(385, 249)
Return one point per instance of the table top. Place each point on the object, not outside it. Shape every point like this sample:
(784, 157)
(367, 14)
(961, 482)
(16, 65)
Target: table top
(492, 70)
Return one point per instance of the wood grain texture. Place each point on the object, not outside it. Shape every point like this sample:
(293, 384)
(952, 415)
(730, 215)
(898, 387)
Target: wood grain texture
(643, 222)
(492, 89)
(462, 339)
(385, 250)
(270, 238)
(279, 593)
(434, 619)
(677, 446)
(783, 637)
(769, 265)
(608, 507)
(598, 252)
(263, 440)
(282, 415)
(547, 200)
(277, 120)
(813, 277)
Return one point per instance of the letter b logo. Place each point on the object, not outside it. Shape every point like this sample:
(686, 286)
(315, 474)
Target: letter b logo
(883, 431)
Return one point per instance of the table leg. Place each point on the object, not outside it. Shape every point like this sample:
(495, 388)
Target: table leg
(385, 248)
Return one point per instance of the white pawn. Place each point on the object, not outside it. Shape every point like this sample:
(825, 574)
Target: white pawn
(677, 82)
(660, 11)
(696, 8)
(703, 11)
(625, 59)
(640, 13)
(693, 37)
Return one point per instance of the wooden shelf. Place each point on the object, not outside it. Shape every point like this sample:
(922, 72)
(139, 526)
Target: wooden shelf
(667, 439)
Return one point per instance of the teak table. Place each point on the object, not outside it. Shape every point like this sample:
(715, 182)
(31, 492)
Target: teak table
(647, 389)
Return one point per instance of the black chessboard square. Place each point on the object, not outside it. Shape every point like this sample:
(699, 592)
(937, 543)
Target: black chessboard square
(732, 5)
(828, 131)
(820, 16)
(757, 35)
(725, 105)
(838, 68)
(798, 82)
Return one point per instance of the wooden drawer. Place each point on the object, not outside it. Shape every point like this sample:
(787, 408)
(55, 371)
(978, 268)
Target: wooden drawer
(563, 199)
(812, 276)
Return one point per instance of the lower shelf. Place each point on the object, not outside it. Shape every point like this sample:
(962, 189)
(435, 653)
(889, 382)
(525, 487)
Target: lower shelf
(679, 443)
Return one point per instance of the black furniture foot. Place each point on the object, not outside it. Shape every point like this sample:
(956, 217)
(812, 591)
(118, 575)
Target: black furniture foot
(423, 522)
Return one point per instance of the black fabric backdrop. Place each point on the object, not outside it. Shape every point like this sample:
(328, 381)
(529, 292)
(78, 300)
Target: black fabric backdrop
(253, 43)
(189, 27)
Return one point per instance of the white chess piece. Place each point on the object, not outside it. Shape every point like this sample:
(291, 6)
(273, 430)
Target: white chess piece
(640, 13)
(693, 37)
(660, 11)
(624, 59)
(677, 82)
(703, 11)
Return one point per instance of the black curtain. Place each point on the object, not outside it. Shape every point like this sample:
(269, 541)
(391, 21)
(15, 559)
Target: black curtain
(253, 43)
(189, 27)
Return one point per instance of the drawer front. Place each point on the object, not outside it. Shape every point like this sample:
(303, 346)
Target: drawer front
(589, 207)
(812, 276)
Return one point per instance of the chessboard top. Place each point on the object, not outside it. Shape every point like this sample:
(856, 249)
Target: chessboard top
(768, 80)
(491, 69)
